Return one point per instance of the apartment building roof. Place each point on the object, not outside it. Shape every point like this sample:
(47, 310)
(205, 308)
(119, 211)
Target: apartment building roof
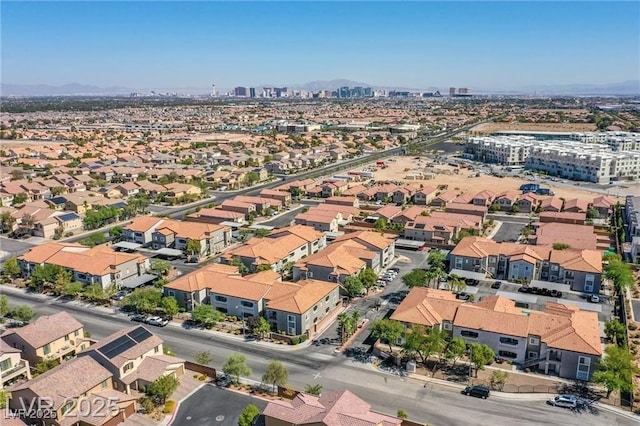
(125, 345)
(559, 326)
(144, 223)
(190, 230)
(576, 236)
(427, 306)
(301, 298)
(98, 261)
(70, 379)
(307, 233)
(342, 257)
(217, 213)
(370, 237)
(331, 409)
(46, 329)
(268, 250)
(571, 259)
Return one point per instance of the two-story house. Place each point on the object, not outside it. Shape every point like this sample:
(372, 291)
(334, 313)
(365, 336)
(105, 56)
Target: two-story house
(134, 358)
(383, 246)
(67, 390)
(56, 336)
(140, 229)
(175, 234)
(12, 365)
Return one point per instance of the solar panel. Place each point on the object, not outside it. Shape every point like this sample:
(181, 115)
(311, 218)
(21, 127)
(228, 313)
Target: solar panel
(140, 334)
(118, 346)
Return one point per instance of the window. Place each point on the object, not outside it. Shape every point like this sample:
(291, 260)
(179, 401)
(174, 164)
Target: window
(470, 334)
(128, 366)
(247, 304)
(104, 384)
(156, 349)
(509, 341)
(66, 338)
(534, 341)
(447, 326)
(326, 299)
(458, 262)
(291, 318)
(532, 355)
(492, 260)
(76, 333)
(554, 267)
(315, 308)
(584, 365)
(507, 354)
(5, 365)
(220, 299)
(46, 349)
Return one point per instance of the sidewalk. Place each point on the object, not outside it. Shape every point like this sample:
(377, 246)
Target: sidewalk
(494, 231)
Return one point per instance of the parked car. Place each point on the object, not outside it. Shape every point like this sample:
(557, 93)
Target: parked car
(556, 293)
(138, 318)
(524, 289)
(463, 296)
(496, 284)
(119, 295)
(395, 269)
(566, 401)
(472, 282)
(594, 298)
(157, 321)
(477, 391)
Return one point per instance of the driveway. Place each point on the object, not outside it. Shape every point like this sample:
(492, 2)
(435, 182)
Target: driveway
(10, 247)
(212, 406)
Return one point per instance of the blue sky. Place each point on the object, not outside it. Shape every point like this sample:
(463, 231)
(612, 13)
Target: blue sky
(483, 45)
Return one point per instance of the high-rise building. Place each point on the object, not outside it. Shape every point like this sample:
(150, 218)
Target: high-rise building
(452, 91)
(240, 91)
(463, 90)
(367, 92)
(214, 92)
(252, 92)
(344, 92)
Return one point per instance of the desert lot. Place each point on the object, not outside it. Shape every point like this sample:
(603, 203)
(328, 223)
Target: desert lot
(466, 181)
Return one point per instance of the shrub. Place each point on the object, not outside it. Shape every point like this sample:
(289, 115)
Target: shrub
(147, 404)
(202, 377)
(169, 406)
(633, 326)
(295, 340)
(303, 338)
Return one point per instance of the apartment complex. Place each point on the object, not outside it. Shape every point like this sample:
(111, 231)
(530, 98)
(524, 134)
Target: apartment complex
(98, 265)
(560, 340)
(581, 270)
(591, 162)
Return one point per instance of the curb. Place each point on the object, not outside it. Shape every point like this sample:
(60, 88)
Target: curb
(172, 417)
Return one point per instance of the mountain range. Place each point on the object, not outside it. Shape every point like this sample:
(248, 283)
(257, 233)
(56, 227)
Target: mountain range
(631, 87)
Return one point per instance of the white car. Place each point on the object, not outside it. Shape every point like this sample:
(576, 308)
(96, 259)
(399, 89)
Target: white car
(594, 298)
(157, 321)
(566, 401)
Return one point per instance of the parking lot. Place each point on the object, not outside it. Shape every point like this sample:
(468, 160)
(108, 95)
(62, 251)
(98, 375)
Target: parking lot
(212, 406)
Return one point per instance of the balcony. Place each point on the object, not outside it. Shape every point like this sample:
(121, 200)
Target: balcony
(15, 371)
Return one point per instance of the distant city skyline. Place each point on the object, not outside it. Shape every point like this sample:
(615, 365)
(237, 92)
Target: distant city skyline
(480, 45)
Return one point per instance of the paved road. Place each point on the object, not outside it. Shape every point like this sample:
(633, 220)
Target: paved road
(509, 218)
(433, 404)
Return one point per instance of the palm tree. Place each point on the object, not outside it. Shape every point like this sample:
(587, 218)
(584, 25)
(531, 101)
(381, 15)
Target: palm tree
(342, 321)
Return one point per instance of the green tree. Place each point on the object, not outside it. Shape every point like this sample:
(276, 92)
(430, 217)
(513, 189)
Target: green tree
(94, 293)
(481, 355)
(368, 278)
(236, 366)
(4, 397)
(249, 415)
(4, 305)
(161, 389)
(515, 208)
(620, 273)
(203, 358)
(616, 370)
(242, 268)
(143, 300)
(263, 267)
(116, 232)
(43, 276)
(592, 213)
(7, 221)
(615, 331)
(206, 315)
(44, 365)
(498, 379)
(94, 239)
(193, 247)
(11, 269)
(169, 305)
(455, 283)
(160, 267)
(415, 278)
(313, 389)
(437, 259)
(276, 374)
(456, 348)
(353, 286)
(387, 330)
(72, 289)
(560, 246)
(415, 342)
(19, 198)
(401, 414)
(381, 224)
(23, 313)
(261, 327)
(63, 279)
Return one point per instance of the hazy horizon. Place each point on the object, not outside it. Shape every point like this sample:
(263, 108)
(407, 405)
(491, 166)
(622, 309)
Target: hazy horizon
(481, 45)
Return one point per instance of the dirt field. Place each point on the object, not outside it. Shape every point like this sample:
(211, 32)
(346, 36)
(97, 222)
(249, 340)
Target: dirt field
(466, 181)
(537, 127)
